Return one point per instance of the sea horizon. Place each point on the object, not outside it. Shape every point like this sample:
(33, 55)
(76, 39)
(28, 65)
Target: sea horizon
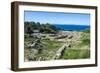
(71, 27)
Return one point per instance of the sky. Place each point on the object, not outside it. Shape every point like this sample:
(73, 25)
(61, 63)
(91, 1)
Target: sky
(57, 17)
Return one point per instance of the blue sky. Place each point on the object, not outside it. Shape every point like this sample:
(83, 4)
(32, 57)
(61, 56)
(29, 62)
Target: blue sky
(57, 17)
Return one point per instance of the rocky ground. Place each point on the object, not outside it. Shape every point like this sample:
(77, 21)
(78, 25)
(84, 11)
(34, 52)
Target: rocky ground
(46, 49)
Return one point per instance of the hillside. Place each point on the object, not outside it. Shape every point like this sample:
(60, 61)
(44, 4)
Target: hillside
(43, 28)
(50, 43)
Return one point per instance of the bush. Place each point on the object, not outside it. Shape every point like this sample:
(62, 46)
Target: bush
(76, 54)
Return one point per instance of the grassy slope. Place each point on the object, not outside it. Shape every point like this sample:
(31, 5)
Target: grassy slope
(79, 50)
(48, 50)
(76, 54)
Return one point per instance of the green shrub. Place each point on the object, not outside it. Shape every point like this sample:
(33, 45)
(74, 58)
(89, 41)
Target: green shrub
(76, 54)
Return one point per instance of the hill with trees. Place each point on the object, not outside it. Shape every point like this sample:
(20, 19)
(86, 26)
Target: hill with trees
(29, 27)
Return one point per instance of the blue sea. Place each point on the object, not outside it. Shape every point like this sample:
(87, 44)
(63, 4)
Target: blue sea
(72, 27)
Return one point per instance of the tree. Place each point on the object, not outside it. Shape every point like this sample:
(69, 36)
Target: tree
(29, 31)
(43, 28)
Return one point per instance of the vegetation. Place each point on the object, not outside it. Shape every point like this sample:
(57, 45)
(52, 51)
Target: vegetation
(43, 28)
(76, 54)
(86, 31)
(42, 46)
(45, 52)
(81, 49)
